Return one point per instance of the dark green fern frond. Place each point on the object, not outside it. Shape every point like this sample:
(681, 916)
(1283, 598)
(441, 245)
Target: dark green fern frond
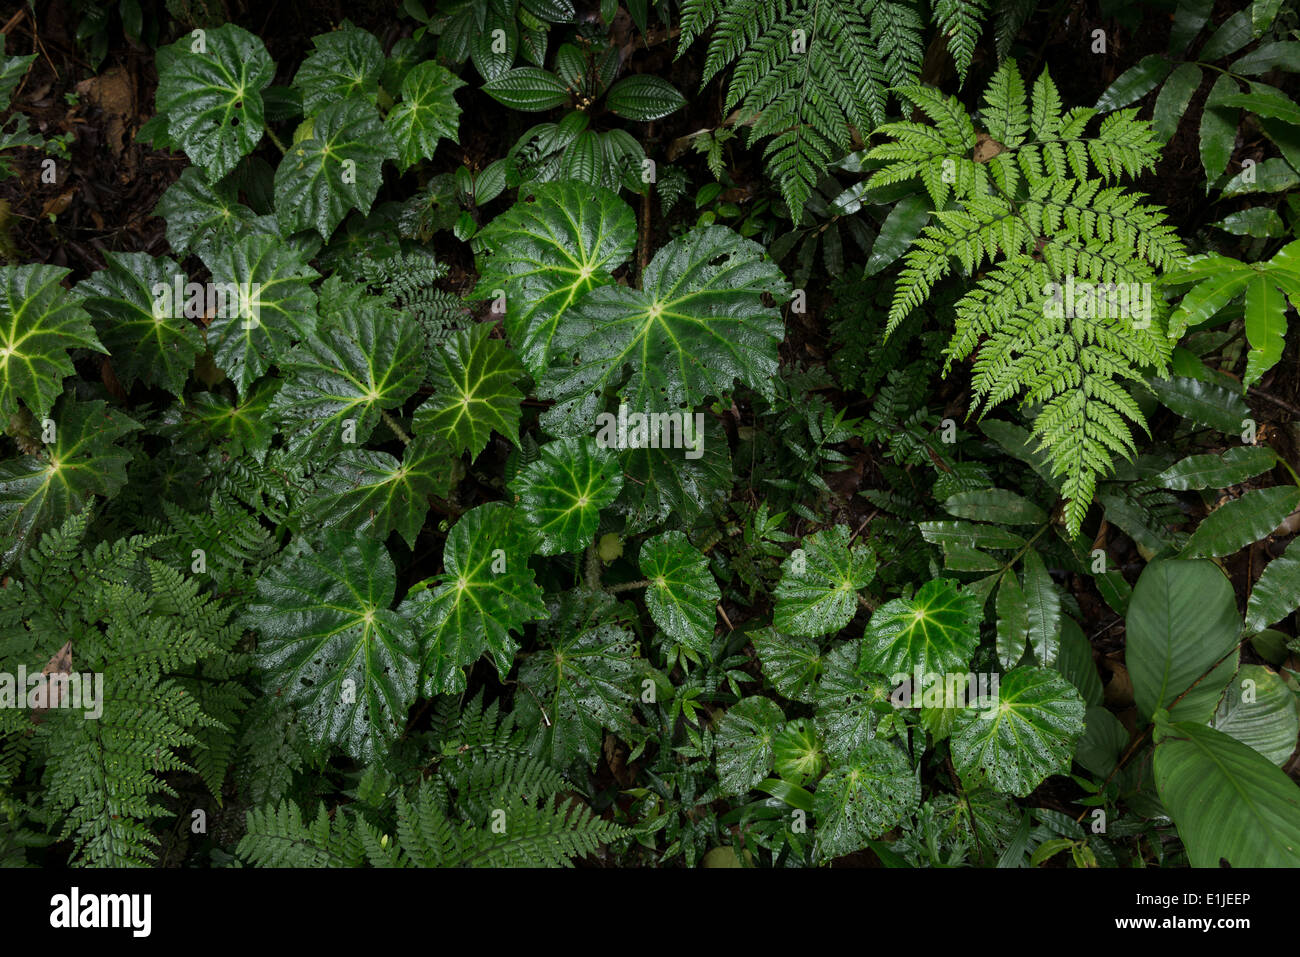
(961, 22)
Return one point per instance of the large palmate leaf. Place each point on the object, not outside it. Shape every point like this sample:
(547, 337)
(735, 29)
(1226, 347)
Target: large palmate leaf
(1028, 735)
(237, 427)
(863, 796)
(337, 383)
(663, 482)
(39, 322)
(134, 305)
(485, 591)
(197, 210)
(818, 590)
(41, 490)
(744, 743)
(474, 392)
(283, 304)
(791, 663)
(698, 324)
(427, 112)
(332, 645)
(1229, 802)
(934, 632)
(584, 675)
(340, 167)
(365, 490)
(210, 89)
(561, 494)
(1182, 618)
(560, 241)
(851, 700)
(682, 595)
(345, 63)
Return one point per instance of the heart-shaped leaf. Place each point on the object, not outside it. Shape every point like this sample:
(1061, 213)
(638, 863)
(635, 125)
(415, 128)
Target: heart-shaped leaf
(345, 63)
(744, 743)
(791, 663)
(1026, 736)
(862, 797)
(818, 590)
(333, 647)
(427, 112)
(197, 211)
(210, 89)
(39, 322)
(474, 392)
(682, 595)
(851, 701)
(562, 493)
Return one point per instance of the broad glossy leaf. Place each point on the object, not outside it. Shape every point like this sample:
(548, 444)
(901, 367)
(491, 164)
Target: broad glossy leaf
(558, 242)
(338, 381)
(1181, 619)
(1075, 662)
(682, 595)
(1218, 128)
(1227, 800)
(1277, 593)
(663, 482)
(284, 305)
(41, 490)
(643, 97)
(1044, 605)
(1235, 465)
(528, 88)
(362, 490)
(1265, 327)
(934, 632)
(994, 505)
(797, 752)
(1102, 743)
(427, 112)
(863, 796)
(1135, 83)
(344, 63)
(197, 211)
(561, 494)
(338, 169)
(1029, 735)
(1171, 104)
(791, 663)
(148, 339)
(1013, 620)
(474, 380)
(818, 590)
(212, 97)
(744, 743)
(485, 592)
(246, 425)
(332, 645)
(1259, 710)
(585, 674)
(970, 534)
(40, 322)
(1242, 521)
(696, 326)
(1202, 402)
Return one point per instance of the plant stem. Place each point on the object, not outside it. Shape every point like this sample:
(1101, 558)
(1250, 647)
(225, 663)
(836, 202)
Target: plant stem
(396, 427)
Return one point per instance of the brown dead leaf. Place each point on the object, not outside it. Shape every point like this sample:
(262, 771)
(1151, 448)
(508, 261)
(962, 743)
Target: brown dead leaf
(49, 695)
(114, 94)
(1119, 690)
(59, 204)
(986, 147)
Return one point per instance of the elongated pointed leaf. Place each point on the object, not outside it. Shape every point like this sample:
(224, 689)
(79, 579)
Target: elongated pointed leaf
(643, 97)
(1229, 803)
(39, 322)
(210, 90)
(1235, 465)
(1277, 593)
(485, 592)
(1044, 604)
(474, 378)
(560, 241)
(338, 169)
(744, 743)
(1013, 621)
(1265, 327)
(995, 505)
(818, 590)
(149, 341)
(682, 595)
(1238, 523)
(562, 493)
(934, 632)
(1181, 619)
(1028, 735)
(333, 647)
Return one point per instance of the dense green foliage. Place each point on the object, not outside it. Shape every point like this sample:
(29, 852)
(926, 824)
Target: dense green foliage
(879, 471)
